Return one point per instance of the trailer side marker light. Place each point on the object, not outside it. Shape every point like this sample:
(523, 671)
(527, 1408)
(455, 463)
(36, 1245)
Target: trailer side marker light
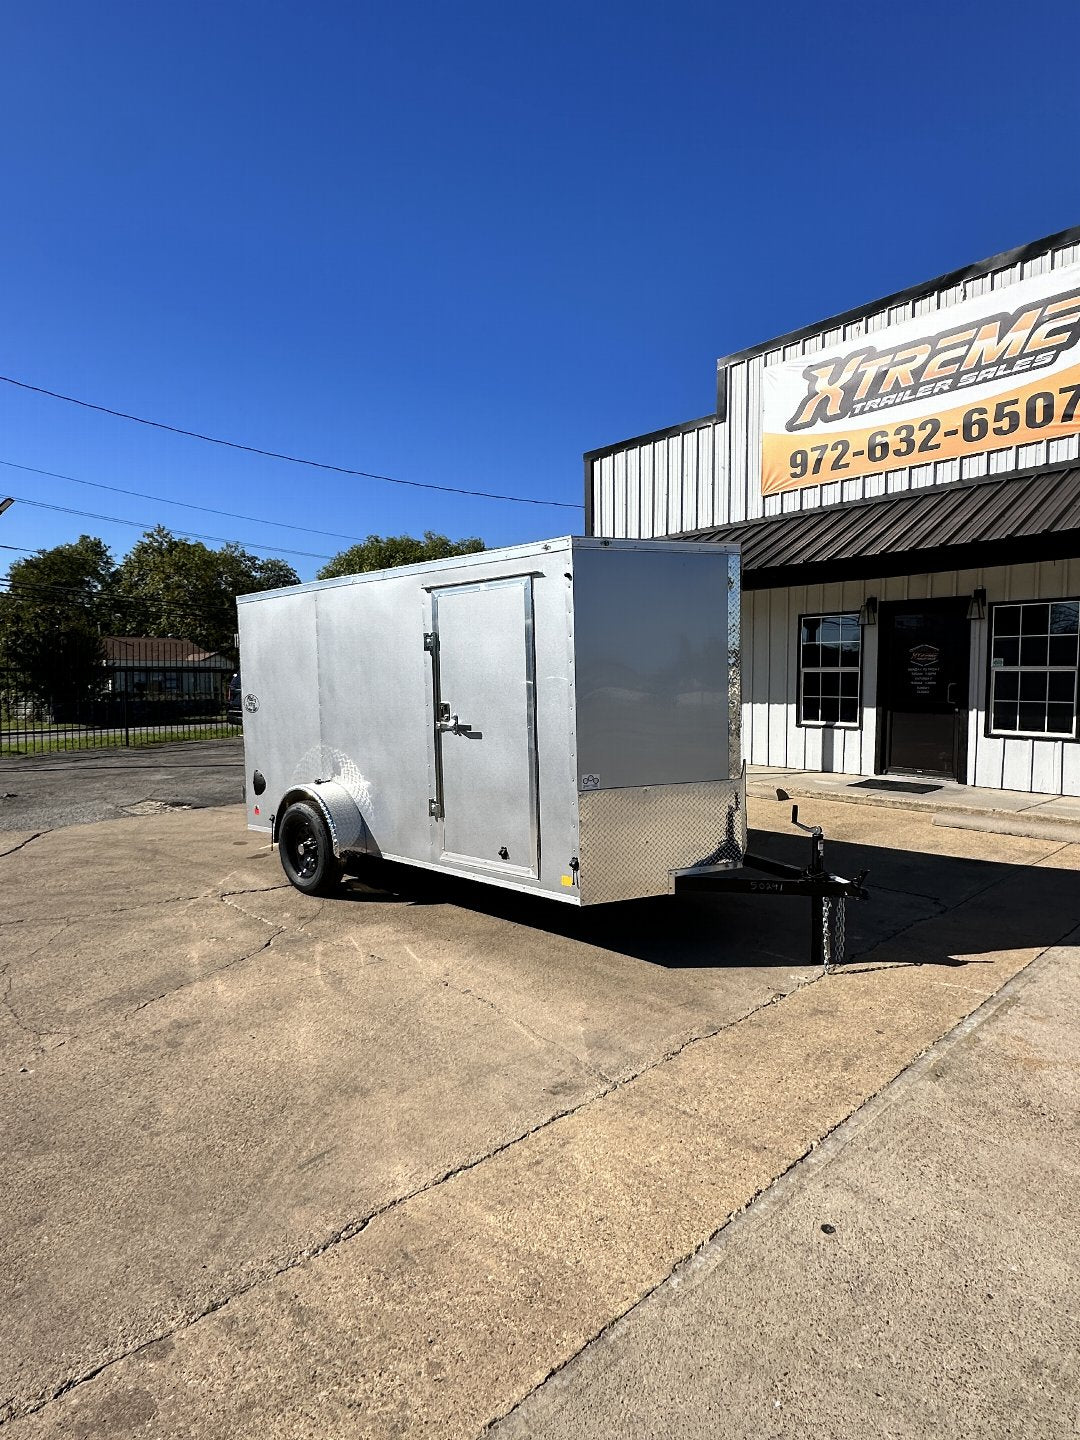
(568, 881)
(256, 809)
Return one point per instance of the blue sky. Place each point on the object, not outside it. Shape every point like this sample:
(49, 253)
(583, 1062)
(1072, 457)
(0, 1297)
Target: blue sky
(463, 243)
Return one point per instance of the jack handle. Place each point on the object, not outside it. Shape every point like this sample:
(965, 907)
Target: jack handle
(814, 830)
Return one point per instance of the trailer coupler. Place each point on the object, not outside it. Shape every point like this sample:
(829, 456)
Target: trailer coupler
(828, 894)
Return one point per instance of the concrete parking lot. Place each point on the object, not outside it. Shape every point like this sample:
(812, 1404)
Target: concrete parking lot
(383, 1164)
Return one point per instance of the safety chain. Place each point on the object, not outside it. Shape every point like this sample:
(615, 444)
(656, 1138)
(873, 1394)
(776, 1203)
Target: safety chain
(833, 927)
(841, 929)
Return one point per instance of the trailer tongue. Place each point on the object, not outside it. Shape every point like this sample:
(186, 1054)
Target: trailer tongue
(828, 894)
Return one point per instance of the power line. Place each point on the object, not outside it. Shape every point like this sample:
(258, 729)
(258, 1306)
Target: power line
(279, 455)
(63, 597)
(50, 593)
(104, 596)
(118, 621)
(49, 585)
(187, 504)
(188, 534)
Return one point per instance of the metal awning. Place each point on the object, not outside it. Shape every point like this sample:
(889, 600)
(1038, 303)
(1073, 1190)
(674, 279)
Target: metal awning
(964, 525)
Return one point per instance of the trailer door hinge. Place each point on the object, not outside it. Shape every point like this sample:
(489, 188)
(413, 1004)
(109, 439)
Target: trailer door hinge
(431, 641)
(434, 809)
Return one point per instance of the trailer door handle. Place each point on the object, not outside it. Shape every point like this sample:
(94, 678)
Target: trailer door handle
(950, 693)
(454, 726)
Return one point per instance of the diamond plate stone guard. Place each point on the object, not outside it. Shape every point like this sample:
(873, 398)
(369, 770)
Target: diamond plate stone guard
(630, 840)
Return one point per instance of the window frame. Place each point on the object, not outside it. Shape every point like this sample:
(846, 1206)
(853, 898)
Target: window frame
(1051, 736)
(857, 723)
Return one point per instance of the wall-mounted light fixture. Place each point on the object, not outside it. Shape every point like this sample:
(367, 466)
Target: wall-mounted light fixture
(977, 605)
(868, 611)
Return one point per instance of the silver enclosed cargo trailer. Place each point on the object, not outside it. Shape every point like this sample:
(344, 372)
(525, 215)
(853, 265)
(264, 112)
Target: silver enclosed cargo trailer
(561, 717)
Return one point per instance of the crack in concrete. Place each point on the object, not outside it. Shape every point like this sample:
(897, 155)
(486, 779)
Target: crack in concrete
(66, 924)
(155, 903)
(11, 1408)
(854, 954)
(443, 981)
(254, 915)
(226, 899)
(25, 1026)
(1068, 845)
(211, 894)
(252, 890)
(14, 849)
(918, 895)
(945, 909)
(209, 975)
(532, 1034)
(5, 999)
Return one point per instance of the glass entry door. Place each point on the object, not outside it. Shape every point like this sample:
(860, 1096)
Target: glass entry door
(923, 665)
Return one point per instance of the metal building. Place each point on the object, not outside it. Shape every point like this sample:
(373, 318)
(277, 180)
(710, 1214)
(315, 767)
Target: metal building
(904, 482)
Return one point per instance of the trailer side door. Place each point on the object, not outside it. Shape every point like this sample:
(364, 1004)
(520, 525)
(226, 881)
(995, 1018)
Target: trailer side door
(485, 725)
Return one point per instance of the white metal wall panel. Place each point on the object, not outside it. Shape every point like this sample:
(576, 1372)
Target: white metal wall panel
(772, 737)
(713, 471)
(661, 485)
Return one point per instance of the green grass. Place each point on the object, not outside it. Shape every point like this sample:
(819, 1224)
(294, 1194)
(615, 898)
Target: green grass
(44, 740)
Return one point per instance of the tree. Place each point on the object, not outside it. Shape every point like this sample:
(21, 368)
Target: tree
(57, 605)
(184, 588)
(379, 553)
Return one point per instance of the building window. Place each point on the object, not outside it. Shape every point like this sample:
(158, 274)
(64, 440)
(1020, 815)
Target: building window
(1033, 668)
(830, 648)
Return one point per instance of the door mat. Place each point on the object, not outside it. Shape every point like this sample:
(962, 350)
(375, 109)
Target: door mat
(908, 787)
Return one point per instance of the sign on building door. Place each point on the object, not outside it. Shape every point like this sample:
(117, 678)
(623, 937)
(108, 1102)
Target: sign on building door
(1000, 370)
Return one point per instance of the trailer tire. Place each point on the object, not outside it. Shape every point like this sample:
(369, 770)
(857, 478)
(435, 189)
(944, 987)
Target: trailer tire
(307, 851)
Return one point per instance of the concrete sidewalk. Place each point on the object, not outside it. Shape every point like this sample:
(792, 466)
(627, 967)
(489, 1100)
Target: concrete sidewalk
(958, 807)
(915, 1276)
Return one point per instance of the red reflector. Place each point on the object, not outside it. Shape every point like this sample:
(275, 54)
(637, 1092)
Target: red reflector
(256, 809)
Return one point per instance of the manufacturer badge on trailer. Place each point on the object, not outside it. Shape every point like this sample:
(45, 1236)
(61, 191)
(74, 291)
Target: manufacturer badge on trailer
(590, 782)
(251, 703)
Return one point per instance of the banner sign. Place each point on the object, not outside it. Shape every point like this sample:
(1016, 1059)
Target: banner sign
(1003, 369)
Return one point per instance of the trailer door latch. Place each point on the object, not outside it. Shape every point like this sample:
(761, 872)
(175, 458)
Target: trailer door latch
(431, 641)
(434, 809)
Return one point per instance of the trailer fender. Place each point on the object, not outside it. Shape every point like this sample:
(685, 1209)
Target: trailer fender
(348, 829)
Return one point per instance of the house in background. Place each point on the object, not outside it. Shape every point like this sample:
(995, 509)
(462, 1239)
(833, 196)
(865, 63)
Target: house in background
(151, 667)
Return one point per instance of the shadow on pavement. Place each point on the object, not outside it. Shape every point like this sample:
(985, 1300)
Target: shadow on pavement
(996, 906)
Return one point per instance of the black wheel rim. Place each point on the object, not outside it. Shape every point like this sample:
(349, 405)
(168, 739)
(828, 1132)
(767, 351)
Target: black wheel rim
(302, 846)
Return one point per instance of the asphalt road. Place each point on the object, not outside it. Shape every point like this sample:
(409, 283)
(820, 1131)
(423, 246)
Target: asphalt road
(379, 1165)
(76, 787)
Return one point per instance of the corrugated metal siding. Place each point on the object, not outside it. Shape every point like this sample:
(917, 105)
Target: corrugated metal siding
(770, 676)
(660, 486)
(712, 474)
